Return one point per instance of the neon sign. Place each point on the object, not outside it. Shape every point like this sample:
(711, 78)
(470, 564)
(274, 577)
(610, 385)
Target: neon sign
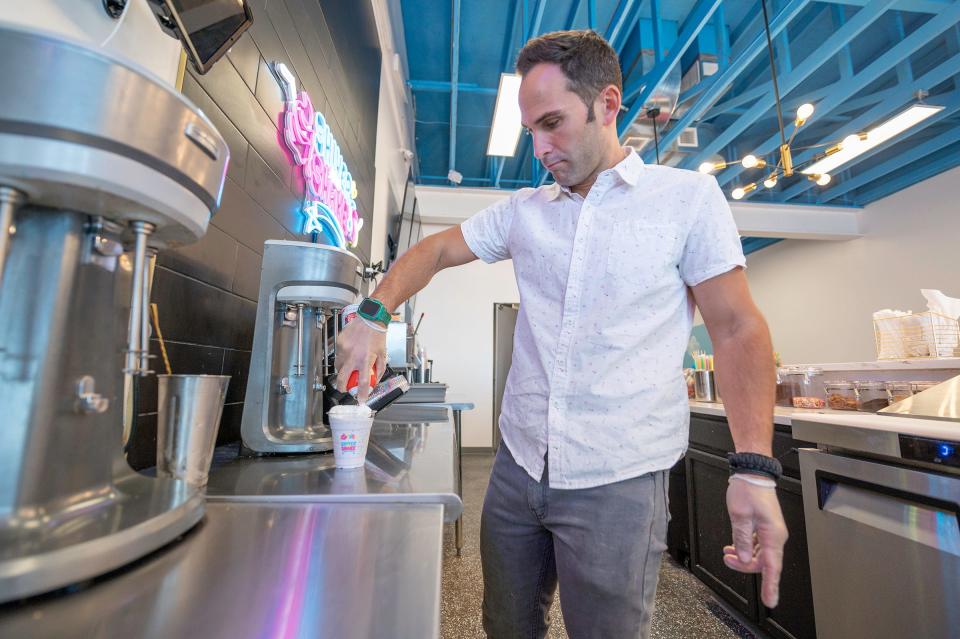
(329, 204)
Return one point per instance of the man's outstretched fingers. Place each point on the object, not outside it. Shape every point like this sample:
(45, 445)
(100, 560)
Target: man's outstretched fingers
(743, 539)
(771, 565)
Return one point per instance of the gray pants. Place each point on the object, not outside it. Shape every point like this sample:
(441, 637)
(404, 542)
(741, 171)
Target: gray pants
(603, 544)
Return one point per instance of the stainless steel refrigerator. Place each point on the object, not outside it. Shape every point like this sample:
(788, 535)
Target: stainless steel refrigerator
(504, 323)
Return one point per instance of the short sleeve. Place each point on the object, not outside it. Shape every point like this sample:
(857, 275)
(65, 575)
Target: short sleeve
(487, 232)
(713, 244)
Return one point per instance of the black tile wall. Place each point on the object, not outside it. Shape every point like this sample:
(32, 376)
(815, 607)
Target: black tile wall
(206, 292)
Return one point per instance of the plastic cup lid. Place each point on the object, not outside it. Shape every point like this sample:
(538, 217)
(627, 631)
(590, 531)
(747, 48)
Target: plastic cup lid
(351, 411)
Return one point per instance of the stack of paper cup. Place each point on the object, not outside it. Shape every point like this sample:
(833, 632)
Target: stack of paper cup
(350, 426)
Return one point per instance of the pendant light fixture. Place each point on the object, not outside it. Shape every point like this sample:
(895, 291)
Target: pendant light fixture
(818, 168)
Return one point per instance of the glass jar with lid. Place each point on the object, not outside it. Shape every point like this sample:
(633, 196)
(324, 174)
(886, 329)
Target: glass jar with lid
(811, 392)
(841, 396)
(788, 381)
(872, 396)
(899, 391)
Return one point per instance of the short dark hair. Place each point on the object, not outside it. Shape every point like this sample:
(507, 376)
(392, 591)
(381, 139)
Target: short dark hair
(586, 59)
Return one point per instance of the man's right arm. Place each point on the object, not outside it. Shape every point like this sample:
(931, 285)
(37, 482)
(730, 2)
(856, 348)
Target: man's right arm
(360, 347)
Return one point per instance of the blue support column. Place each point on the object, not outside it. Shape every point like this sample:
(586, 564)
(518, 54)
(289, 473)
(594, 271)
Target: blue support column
(592, 14)
(723, 82)
(723, 38)
(904, 71)
(657, 31)
(454, 81)
(845, 60)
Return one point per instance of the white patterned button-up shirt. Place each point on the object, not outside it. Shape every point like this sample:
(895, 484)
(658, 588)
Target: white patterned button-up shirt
(605, 315)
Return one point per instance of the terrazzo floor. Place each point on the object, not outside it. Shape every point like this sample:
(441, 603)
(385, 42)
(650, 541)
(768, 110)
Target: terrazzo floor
(685, 607)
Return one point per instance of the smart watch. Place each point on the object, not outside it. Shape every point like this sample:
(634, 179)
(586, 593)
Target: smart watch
(375, 311)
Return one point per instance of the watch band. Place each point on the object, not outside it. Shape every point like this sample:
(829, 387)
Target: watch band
(382, 315)
(755, 464)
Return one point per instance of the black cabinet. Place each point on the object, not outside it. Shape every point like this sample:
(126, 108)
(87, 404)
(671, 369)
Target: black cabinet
(710, 531)
(678, 530)
(793, 617)
(704, 485)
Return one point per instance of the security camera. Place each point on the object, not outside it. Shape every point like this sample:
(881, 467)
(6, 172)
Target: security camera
(407, 154)
(455, 176)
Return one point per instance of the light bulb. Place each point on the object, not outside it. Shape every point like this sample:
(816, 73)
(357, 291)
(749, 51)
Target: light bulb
(770, 182)
(852, 141)
(749, 161)
(805, 111)
(706, 167)
(824, 179)
(738, 193)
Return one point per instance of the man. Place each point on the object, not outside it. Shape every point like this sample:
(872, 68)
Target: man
(609, 261)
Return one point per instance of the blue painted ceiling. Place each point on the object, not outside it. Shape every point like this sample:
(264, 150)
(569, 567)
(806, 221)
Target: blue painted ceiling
(858, 61)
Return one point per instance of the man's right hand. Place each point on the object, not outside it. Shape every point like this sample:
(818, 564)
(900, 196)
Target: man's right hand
(360, 348)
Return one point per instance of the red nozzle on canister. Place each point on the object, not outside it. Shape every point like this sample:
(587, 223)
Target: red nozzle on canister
(353, 383)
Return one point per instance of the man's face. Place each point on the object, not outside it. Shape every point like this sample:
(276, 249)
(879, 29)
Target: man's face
(567, 144)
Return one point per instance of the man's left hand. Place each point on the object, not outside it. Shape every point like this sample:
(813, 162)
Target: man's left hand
(759, 534)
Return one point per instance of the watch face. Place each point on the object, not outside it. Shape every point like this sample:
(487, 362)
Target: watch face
(369, 307)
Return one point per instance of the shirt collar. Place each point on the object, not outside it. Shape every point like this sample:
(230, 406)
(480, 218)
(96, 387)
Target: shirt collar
(628, 169)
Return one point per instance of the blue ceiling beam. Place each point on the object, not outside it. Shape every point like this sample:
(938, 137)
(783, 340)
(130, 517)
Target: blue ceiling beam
(508, 45)
(454, 82)
(724, 80)
(845, 59)
(893, 165)
(950, 103)
(436, 86)
(904, 70)
(575, 7)
(891, 102)
(914, 6)
(692, 26)
(754, 244)
(854, 27)
(921, 36)
(592, 14)
(738, 104)
(537, 19)
(907, 179)
(619, 20)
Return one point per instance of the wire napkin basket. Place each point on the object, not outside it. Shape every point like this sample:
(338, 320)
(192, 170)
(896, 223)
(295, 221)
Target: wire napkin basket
(917, 335)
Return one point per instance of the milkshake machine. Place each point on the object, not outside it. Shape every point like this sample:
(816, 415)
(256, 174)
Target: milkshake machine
(303, 287)
(100, 164)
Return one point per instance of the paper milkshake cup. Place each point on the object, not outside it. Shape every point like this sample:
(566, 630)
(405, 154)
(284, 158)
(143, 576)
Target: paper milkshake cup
(350, 428)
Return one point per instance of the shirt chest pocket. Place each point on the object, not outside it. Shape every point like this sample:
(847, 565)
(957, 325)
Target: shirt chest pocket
(643, 253)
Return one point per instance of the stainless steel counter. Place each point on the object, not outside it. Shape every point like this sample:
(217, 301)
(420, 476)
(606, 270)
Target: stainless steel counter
(264, 570)
(411, 459)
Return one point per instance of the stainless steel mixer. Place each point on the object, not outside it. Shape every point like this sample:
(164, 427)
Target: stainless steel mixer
(303, 286)
(100, 164)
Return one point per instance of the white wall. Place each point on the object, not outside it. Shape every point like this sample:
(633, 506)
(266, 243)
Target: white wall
(394, 126)
(139, 39)
(818, 297)
(457, 332)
